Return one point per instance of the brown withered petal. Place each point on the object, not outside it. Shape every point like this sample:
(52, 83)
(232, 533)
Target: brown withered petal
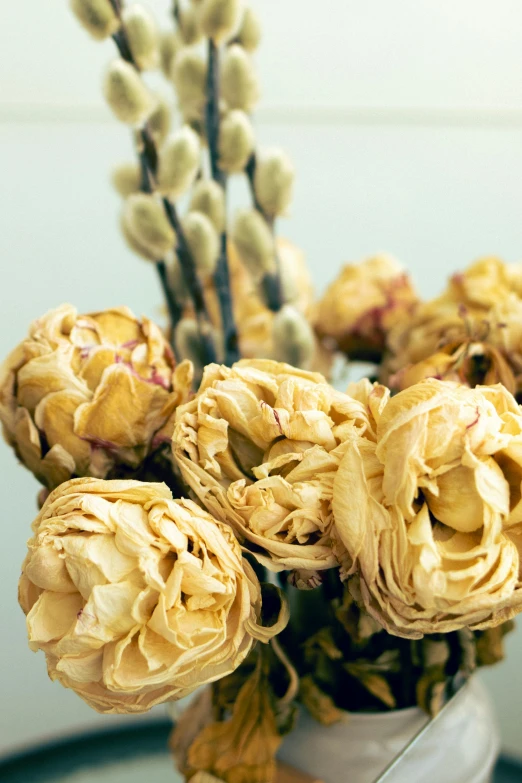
(84, 393)
(430, 513)
(259, 445)
(135, 598)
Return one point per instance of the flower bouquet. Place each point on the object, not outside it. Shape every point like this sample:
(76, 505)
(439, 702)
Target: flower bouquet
(217, 516)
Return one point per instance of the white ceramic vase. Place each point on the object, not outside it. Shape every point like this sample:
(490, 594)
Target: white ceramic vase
(460, 746)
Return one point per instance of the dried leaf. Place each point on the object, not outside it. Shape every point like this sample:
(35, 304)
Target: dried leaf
(191, 723)
(376, 684)
(243, 748)
(318, 703)
(431, 690)
(323, 640)
(490, 644)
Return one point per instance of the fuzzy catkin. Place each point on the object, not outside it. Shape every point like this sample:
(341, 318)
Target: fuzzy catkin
(126, 93)
(179, 162)
(249, 33)
(203, 240)
(293, 337)
(143, 36)
(189, 26)
(220, 19)
(274, 182)
(239, 84)
(189, 345)
(97, 17)
(209, 198)
(254, 243)
(176, 279)
(145, 221)
(236, 141)
(170, 44)
(126, 179)
(189, 74)
(160, 120)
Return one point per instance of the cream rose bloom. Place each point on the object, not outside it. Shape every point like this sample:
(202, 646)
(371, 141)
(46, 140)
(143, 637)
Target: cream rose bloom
(259, 445)
(430, 514)
(85, 393)
(135, 598)
(363, 304)
(476, 321)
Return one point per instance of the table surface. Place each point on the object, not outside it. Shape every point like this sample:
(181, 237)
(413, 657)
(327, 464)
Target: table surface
(128, 755)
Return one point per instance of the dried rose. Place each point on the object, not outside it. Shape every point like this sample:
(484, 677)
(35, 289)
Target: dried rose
(430, 513)
(259, 445)
(135, 598)
(363, 304)
(469, 363)
(479, 311)
(85, 393)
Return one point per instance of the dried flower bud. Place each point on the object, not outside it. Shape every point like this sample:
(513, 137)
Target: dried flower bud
(189, 74)
(126, 93)
(208, 197)
(189, 26)
(220, 18)
(126, 179)
(96, 16)
(239, 86)
(145, 222)
(236, 141)
(170, 44)
(274, 181)
(179, 162)
(142, 35)
(254, 243)
(176, 279)
(293, 338)
(160, 121)
(249, 35)
(203, 241)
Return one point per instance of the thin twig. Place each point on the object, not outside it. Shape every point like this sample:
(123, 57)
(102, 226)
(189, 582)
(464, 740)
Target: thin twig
(148, 156)
(193, 284)
(222, 273)
(271, 286)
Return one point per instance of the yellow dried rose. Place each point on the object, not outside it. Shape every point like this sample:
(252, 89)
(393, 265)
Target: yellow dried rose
(469, 363)
(85, 393)
(430, 513)
(259, 445)
(365, 302)
(135, 598)
(479, 310)
(481, 285)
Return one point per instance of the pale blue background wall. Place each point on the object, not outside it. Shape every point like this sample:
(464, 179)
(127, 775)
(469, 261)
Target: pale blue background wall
(404, 119)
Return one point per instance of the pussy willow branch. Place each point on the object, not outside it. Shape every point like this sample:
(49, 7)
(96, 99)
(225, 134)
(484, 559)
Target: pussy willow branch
(271, 286)
(222, 273)
(149, 161)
